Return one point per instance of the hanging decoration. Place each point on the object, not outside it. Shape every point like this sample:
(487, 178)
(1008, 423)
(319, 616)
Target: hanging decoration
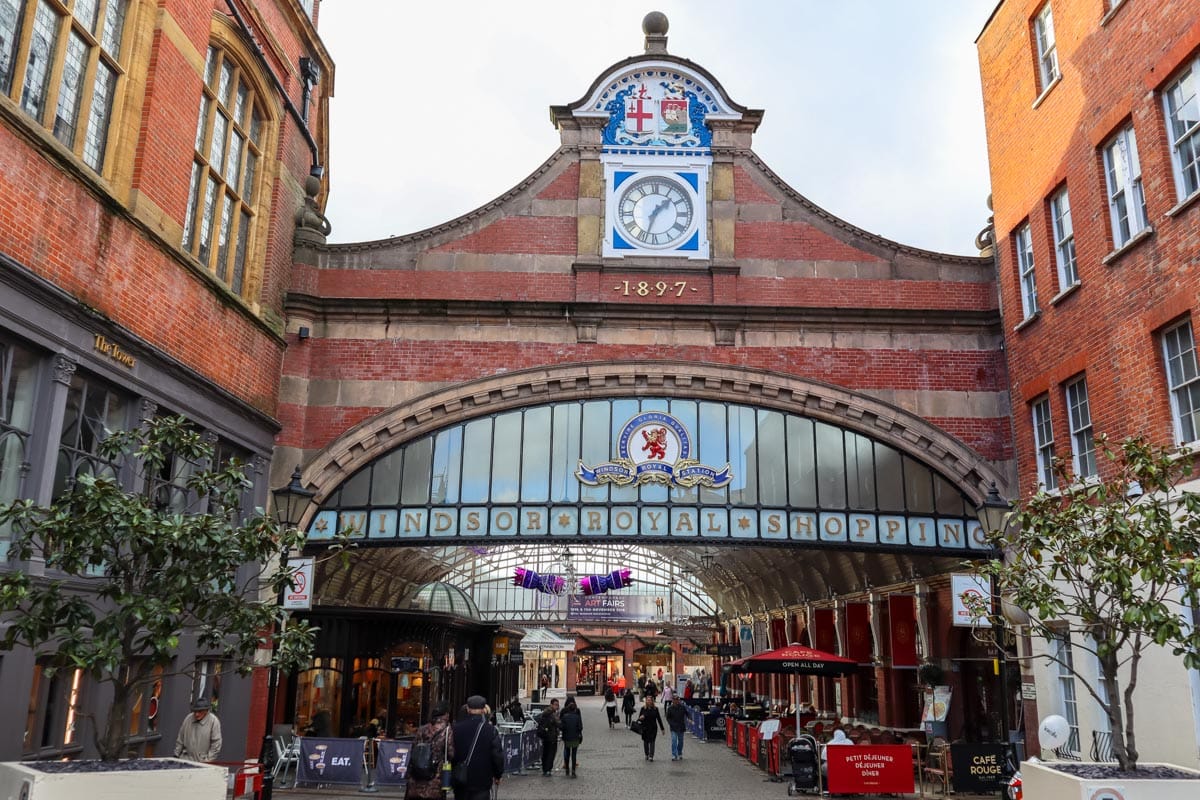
(528, 579)
(599, 584)
(557, 584)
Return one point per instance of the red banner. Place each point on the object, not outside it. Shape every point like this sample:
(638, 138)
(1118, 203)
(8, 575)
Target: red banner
(824, 633)
(902, 627)
(870, 769)
(858, 632)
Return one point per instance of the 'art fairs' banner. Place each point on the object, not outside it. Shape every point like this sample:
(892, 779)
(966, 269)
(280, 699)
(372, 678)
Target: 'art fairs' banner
(612, 607)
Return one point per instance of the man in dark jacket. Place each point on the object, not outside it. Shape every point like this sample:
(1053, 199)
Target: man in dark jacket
(477, 745)
(548, 727)
(677, 722)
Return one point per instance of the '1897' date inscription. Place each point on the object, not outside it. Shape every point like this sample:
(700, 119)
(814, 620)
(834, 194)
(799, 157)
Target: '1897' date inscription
(655, 289)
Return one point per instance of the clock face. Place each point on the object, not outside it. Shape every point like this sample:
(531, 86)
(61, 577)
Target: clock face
(655, 211)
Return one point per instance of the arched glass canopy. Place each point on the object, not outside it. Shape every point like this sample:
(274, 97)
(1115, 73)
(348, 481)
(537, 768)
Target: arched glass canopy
(519, 487)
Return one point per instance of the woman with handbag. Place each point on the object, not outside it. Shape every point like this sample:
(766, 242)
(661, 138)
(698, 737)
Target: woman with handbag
(610, 706)
(478, 761)
(649, 722)
(435, 733)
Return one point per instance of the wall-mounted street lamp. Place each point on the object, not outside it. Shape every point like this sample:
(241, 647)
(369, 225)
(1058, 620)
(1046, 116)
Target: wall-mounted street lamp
(290, 502)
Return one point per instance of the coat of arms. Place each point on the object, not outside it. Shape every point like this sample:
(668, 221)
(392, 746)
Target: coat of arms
(654, 447)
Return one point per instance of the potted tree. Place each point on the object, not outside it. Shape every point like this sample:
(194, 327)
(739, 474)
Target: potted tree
(129, 572)
(1109, 562)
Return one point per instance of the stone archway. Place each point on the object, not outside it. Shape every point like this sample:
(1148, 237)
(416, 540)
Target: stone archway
(890, 424)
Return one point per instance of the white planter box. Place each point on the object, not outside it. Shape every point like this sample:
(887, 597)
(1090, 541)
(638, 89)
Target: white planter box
(200, 782)
(1042, 782)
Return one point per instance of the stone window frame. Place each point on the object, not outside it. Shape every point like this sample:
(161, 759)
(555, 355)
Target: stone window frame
(88, 59)
(225, 223)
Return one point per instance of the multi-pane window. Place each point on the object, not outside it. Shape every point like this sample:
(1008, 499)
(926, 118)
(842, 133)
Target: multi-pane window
(1123, 175)
(93, 410)
(1183, 130)
(1043, 443)
(221, 199)
(1064, 241)
(18, 398)
(1043, 34)
(1179, 353)
(62, 64)
(1023, 241)
(1060, 646)
(1079, 415)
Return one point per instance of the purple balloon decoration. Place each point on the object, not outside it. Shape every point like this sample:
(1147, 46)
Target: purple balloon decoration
(599, 584)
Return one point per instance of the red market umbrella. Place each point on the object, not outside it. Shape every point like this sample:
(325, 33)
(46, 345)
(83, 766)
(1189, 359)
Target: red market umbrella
(796, 660)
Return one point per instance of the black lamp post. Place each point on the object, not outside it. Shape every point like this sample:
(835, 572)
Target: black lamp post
(993, 515)
(290, 503)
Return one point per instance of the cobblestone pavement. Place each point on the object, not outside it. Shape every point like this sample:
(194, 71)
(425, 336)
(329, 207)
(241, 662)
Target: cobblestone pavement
(611, 765)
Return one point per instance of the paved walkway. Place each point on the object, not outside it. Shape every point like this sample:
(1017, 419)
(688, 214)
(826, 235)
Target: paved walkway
(611, 765)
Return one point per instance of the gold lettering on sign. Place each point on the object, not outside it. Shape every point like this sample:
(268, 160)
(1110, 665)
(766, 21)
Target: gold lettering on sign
(623, 520)
(774, 523)
(594, 519)
(503, 521)
(952, 534)
(533, 520)
(893, 529)
(655, 289)
(684, 523)
(473, 521)
(442, 521)
(653, 517)
(113, 351)
(414, 521)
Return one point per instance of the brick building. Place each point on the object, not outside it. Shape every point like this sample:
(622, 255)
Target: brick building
(1091, 115)
(486, 385)
(154, 159)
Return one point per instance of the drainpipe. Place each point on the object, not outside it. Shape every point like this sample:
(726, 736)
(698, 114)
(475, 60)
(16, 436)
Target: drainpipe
(317, 170)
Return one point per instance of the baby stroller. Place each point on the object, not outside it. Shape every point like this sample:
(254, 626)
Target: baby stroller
(806, 765)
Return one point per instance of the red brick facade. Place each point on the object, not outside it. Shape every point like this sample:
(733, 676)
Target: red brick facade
(1114, 69)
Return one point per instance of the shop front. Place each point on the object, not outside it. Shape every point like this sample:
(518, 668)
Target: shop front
(546, 655)
(599, 665)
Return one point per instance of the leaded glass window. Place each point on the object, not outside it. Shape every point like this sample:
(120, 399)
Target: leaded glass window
(71, 69)
(223, 195)
(93, 410)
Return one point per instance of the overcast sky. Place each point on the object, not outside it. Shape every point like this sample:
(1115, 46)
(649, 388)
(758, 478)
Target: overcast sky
(872, 106)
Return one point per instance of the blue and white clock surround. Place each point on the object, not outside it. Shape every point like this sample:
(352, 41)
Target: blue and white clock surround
(656, 206)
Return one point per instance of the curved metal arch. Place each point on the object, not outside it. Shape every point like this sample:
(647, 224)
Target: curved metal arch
(902, 430)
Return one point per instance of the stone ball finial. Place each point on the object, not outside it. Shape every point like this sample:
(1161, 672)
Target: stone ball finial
(655, 24)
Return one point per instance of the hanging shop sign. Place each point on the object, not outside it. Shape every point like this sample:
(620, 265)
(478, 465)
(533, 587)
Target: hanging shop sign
(964, 586)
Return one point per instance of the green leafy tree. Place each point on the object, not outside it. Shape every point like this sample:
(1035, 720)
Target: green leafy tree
(1111, 562)
(128, 573)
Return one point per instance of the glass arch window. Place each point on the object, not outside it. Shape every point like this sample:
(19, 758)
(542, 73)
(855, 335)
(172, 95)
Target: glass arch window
(223, 193)
(532, 455)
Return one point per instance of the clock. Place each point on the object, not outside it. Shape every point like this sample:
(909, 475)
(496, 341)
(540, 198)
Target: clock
(655, 211)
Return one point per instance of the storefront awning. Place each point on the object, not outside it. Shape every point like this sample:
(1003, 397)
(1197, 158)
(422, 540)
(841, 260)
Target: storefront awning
(600, 646)
(545, 640)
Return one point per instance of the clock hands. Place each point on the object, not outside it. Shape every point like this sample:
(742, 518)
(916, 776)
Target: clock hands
(657, 210)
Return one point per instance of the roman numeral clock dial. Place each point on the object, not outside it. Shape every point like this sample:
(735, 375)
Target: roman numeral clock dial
(655, 211)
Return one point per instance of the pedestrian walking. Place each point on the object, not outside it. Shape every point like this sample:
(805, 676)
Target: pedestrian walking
(199, 736)
(437, 734)
(651, 722)
(478, 762)
(571, 722)
(677, 722)
(548, 728)
(628, 705)
(610, 706)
